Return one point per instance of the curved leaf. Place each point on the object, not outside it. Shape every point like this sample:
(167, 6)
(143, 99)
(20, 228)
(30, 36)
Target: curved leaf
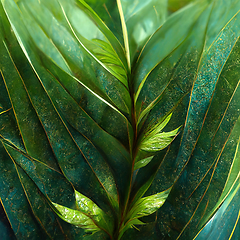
(143, 207)
(26, 207)
(164, 41)
(207, 145)
(88, 216)
(182, 65)
(87, 89)
(75, 54)
(107, 10)
(45, 87)
(225, 221)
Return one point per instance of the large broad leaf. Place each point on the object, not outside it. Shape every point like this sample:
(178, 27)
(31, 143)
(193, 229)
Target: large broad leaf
(225, 222)
(207, 146)
(119, 122)
(140, 19)
(81, 55)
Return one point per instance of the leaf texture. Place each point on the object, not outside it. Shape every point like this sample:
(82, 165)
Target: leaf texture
(119, 120)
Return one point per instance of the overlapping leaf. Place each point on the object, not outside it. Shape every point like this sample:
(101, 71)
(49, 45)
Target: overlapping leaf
(165, 40)
(87, 88)
(225, 222)
(25, 204)
(38, 104)
(169, 225)
(143, 207)
(78, 57)
(140, 19)
(88, 215)
(209, 146)
(182, 68)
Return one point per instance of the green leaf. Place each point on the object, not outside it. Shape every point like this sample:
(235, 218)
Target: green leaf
(109, 58)
(142, 163)
(25, 205)
(225, 222)
(168, 88)
(208, 144)
(170, 35)
(222, 13)
(94, 40)
(107, 10)
(148, 205)
(226, 210)
(29, 124)
(156, 140)
(159, 141)
(141, 19)
(66, 139)
(89, 216)
(87, 92)
(144, 207)
(230, 186)
(89, 207)
(76, 218)
(77, 56)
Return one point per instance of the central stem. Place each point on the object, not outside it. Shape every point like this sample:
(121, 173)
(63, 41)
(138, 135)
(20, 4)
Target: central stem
(133, 157)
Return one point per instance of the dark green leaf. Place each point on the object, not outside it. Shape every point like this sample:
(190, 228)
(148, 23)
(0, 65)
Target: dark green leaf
(211, 143)
(75, 54)
(165, 40)
(87, 92)
(225, 223)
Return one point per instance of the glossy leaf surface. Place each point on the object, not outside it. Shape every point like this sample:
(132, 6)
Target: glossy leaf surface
(225, 222)
(119, 120)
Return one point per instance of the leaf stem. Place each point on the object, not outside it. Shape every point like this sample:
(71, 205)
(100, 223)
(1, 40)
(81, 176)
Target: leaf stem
(134, 124)
(125, 33)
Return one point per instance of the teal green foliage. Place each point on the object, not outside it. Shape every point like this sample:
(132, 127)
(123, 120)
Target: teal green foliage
(119, 119)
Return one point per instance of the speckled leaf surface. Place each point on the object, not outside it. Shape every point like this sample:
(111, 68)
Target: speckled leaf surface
(66, 42)
(119, 120)
(180, 76)
(85, 150)
(208, 147)
(225, 221)
(170, 37)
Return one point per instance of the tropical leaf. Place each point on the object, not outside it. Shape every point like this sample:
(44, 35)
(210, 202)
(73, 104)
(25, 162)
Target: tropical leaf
(156, 140)
(89, 216)
(143, 207)
(119, 120)
(140, 19)
(210, 144)
(74, 50)
(225, 222)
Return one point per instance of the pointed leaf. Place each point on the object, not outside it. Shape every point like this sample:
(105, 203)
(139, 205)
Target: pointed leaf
(142, 163)
(225, 223)
(211, 143)
(63, 38)
(76, 218)
(165, 40)
(142, 18)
